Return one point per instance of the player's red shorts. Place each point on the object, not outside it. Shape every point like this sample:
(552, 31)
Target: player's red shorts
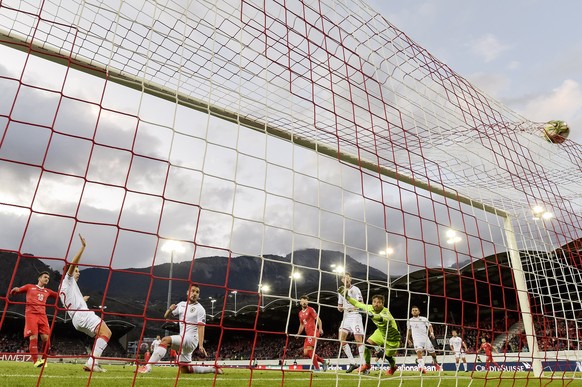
(311, 339)
(35, 324)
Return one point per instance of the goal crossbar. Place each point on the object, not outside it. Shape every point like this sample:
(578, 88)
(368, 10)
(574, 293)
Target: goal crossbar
(158, 91)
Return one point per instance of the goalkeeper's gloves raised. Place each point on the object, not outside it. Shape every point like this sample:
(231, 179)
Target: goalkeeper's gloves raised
(342, 291)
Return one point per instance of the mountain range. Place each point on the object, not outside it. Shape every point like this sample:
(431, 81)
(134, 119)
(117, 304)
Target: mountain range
(126, 290)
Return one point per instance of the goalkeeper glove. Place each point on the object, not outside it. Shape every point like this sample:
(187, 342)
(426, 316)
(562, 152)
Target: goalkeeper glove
(342, 291)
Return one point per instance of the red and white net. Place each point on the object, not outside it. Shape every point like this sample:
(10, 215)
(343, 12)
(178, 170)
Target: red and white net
(279, 144)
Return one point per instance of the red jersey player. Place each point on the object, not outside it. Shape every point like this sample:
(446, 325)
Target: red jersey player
(36, 323)
(311, 323)
(488, 349)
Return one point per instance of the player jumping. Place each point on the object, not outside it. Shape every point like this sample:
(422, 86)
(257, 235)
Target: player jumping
(386, 336)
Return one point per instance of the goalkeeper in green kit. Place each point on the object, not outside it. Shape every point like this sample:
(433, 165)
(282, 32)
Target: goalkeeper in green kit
(386, 335)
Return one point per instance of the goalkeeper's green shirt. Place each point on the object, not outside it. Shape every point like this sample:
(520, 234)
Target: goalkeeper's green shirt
(387, 326)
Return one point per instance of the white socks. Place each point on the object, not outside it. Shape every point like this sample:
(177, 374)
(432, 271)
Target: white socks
(99, 346)
(348, 352)
(157, 355)
(361, 349)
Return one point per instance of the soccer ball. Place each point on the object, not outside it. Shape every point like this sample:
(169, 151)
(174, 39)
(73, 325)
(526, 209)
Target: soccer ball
(556, 131)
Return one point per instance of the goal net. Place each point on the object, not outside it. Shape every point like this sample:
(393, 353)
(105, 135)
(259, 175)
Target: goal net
(263, 149)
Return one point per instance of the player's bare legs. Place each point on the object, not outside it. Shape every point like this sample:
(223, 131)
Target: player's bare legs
(435, 361)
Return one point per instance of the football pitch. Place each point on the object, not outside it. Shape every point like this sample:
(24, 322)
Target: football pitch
(19, 374)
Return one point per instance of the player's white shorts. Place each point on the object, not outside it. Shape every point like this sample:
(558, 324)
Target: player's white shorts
(86, 322)
(352, 323)
(188, 346)
(420, 344)
(459, 354)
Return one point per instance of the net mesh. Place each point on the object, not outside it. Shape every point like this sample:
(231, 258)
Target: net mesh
(281, 143)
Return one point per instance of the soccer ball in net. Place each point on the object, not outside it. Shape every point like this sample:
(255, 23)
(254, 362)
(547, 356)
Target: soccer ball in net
(556, 131)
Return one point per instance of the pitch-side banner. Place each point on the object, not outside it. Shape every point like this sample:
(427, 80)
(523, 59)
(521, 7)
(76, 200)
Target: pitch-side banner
(15, 357)
(557, 366)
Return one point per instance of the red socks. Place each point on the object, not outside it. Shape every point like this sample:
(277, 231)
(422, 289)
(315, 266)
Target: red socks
(33, 349)
(316, 359)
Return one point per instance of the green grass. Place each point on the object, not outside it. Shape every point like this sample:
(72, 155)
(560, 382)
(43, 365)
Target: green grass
(18, 374)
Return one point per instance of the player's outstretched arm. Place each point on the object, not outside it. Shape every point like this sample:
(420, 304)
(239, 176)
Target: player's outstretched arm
(169, 311)
(356, 303)
(77, 258)
(14, 290)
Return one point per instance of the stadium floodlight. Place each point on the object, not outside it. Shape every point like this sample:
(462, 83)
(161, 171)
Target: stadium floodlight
(388, 251)
(263, 289)
(172, 246)
(540, 212)
(338, 270)
(452, 237)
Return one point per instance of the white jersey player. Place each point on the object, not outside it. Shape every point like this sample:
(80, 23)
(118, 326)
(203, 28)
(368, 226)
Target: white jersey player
(419, 333)
(84, 320)
(351, 322)
(192, 320)
(459, 348)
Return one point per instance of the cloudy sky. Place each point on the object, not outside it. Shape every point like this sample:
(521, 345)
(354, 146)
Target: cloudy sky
(525, 53)
(229, 188)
